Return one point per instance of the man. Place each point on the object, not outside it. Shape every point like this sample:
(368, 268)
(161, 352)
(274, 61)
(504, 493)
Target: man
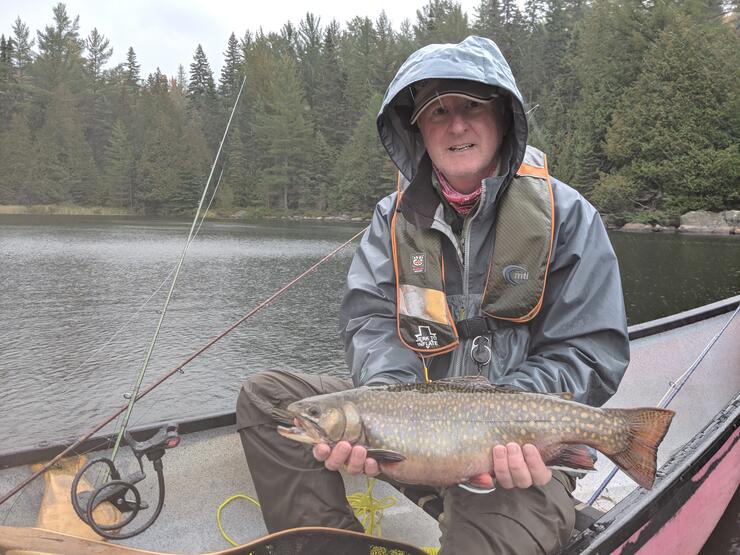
(481, 264)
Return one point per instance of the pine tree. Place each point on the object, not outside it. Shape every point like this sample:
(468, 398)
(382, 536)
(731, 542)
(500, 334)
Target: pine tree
(99, 52)
(502, 22)
(66, 168)
(158, 177)
(440, 21)
(118, 176)
(193, 166)
(489, 20)
(284, 135)
(358, 46)
(330, 112)
(235, 186)
(96, 98)
(15, 169)
(201, 98)
(201, 83)
(607, 58)
(181, 80)
(231, 70)
(320, 185)
(363, 171)
(132, 71)
(23, 54)
(674, 133)
(386, 56)
(6, 56)
(532, 73)
(60, 53)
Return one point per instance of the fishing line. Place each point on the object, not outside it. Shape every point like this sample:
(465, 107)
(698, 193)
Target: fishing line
(153, 342)
(178, 368)
(669, 395)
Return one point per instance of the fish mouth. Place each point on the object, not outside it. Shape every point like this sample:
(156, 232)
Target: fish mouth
(306, 430)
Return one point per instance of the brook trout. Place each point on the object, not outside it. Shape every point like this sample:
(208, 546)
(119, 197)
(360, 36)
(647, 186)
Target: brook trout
(441, 433)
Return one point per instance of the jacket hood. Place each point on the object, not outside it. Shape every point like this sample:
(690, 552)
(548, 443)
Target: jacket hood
(474, 59)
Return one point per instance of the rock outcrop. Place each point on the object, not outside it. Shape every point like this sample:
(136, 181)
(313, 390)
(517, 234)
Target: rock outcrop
(701, 221)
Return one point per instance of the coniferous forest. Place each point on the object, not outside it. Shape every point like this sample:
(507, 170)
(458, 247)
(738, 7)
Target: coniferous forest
(636, 103)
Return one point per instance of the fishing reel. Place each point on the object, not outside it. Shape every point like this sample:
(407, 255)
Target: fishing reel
(116, 489)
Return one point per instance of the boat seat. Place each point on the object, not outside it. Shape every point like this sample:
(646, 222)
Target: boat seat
(432, 504)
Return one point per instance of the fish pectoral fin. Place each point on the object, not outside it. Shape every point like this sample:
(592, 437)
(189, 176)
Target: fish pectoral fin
(572, 457)
(385, 455)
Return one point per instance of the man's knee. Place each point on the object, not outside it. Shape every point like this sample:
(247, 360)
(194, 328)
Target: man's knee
(537, 520)
(261, 392)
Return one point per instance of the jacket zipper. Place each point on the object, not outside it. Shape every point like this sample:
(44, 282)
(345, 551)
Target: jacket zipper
(465, 238)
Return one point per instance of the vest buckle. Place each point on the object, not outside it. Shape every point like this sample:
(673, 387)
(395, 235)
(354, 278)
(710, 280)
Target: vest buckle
(473, 327)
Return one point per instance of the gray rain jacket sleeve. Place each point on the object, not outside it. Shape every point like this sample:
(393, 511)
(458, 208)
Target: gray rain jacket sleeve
(578, 341)
(373, 350)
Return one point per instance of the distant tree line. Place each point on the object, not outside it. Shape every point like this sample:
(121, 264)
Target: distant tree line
(635, 101)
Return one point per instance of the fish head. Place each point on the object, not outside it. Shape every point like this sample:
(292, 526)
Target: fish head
(323, 419)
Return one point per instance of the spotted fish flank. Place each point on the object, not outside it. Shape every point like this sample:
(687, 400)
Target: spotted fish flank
(441, 433)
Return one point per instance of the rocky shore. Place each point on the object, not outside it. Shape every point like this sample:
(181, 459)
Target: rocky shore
(699, 222)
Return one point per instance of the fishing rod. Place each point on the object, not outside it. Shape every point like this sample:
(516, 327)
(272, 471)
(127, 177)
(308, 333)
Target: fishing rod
(673, 389)
(178, 368)
(150, 350)
(116, 489)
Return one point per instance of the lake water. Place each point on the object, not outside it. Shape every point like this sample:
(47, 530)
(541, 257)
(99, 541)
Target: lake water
(73, 284)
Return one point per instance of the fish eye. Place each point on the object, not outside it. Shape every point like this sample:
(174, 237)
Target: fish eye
(314, 411)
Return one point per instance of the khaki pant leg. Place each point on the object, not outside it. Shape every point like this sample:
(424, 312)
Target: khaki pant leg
(293, 488)
(536, 520)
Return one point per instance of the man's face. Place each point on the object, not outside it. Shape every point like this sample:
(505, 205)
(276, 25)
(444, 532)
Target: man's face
(463, 138)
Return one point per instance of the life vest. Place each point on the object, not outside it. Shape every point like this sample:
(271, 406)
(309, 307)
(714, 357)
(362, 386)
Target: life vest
(517, 268)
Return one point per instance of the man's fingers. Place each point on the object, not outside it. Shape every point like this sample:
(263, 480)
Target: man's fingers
(338, 456)
(501, 467)
(540, 473)
(371, 467)
(483, 481)
(321, 451)
(518, 468)
(356, 461)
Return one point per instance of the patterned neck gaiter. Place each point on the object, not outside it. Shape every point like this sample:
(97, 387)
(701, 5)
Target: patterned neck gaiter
(460, 202)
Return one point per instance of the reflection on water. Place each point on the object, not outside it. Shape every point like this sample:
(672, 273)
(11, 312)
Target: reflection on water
(68, 284)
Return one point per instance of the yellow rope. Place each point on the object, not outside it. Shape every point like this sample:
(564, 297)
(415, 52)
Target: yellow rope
(368, 509)
(221, 507)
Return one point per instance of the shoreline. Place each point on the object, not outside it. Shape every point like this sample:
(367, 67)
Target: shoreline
(713, 226)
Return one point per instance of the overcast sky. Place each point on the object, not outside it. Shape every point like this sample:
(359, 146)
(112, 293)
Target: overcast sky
(165, 33)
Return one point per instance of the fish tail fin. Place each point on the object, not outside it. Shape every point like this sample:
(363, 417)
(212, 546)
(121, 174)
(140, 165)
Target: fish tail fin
(647, 428)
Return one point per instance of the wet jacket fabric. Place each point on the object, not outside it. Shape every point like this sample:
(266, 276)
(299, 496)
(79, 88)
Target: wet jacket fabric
(578, 341)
